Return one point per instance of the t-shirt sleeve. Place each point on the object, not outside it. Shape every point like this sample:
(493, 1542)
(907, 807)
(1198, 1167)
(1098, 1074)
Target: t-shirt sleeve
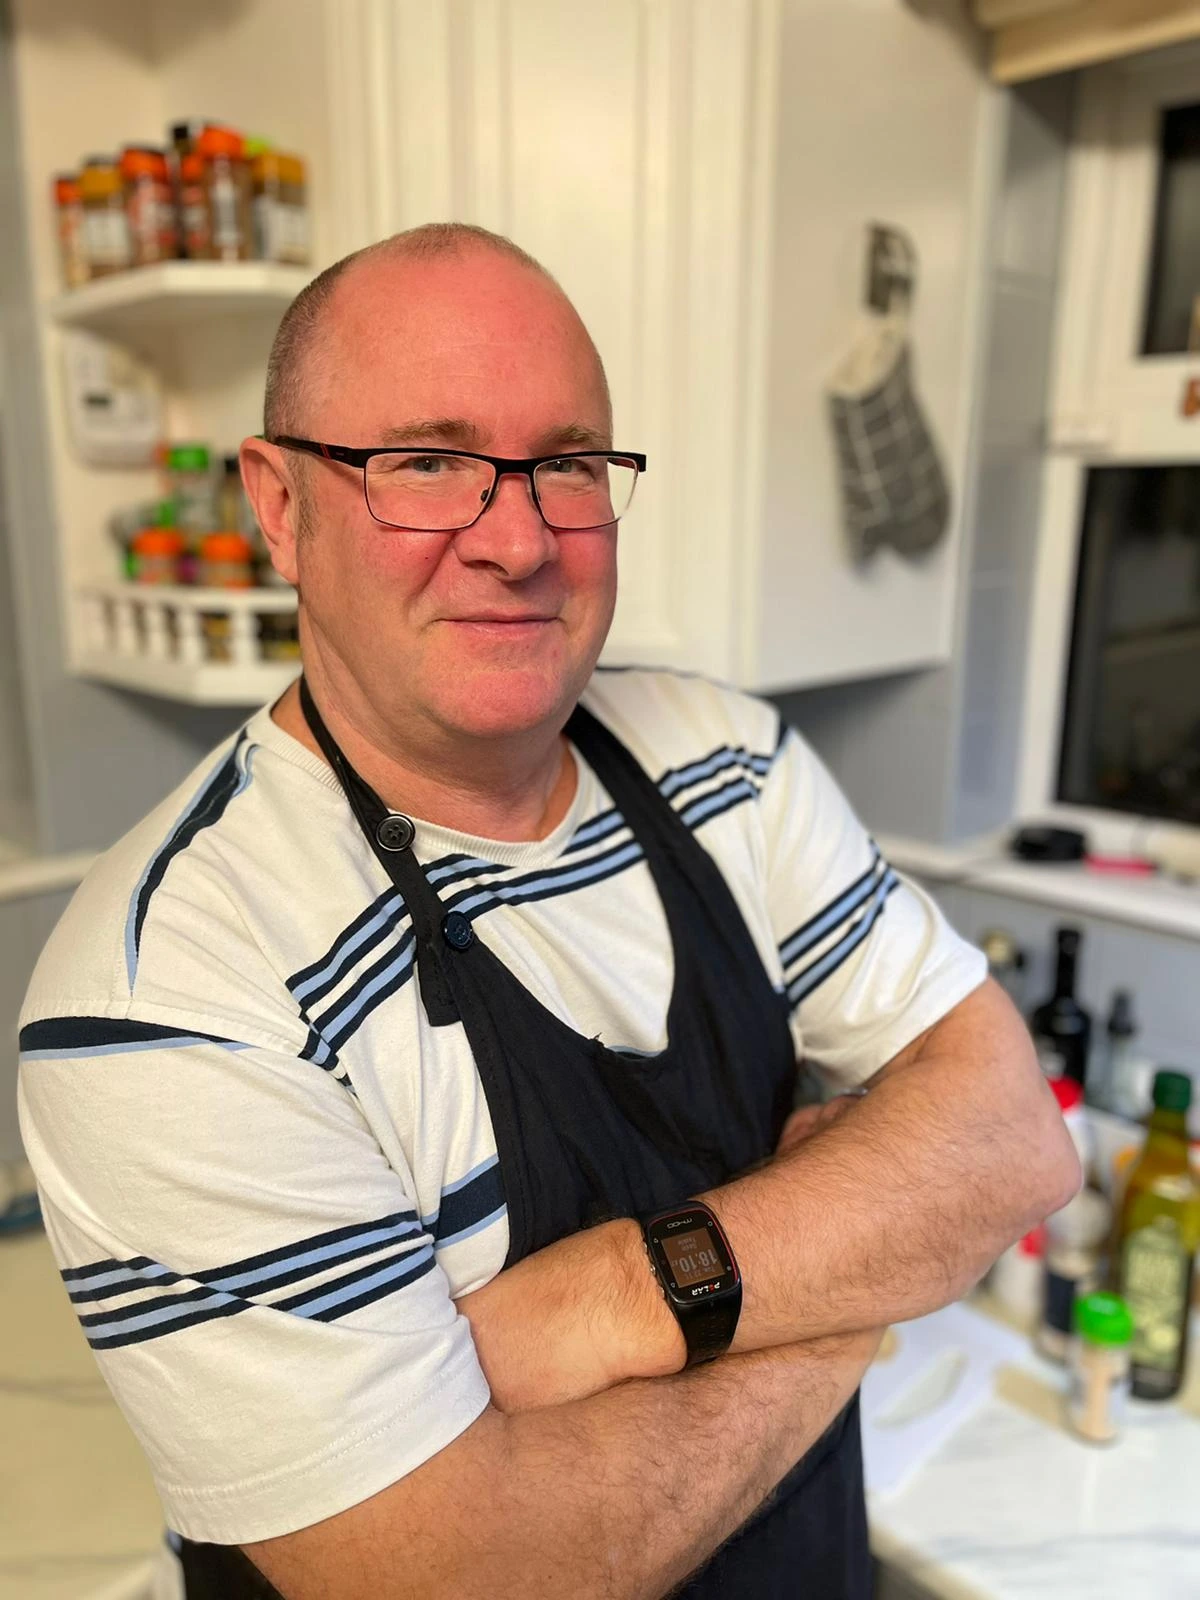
(868, 960)
(249, 1269)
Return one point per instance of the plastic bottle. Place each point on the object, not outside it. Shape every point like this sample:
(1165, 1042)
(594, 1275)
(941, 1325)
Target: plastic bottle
(1126, 1085)
(149, 205)
(106, 239)
(156, 553)
(68, 212)
(1100, 1367)
(227, 190)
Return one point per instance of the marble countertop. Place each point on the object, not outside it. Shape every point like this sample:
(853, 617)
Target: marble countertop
(1013, 1507)
(1008, 1507)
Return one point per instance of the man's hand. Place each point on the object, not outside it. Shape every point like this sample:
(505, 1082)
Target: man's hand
(807, 1120)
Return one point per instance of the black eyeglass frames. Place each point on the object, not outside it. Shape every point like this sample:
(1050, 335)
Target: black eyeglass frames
(444, 491)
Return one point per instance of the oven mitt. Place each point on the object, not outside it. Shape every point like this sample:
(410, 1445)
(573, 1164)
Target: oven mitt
(894, 490)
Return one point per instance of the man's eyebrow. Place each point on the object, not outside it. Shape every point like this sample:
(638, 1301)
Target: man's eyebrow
(456, 431)
(462, 434)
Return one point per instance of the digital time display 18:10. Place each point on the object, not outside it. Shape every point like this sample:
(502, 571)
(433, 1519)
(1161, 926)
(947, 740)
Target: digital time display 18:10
(693, 1257)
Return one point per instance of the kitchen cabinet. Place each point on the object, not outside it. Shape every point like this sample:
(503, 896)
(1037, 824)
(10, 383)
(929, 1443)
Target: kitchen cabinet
(699, 174)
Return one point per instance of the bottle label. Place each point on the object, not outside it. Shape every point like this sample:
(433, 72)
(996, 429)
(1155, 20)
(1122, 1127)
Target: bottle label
(1155, 1283)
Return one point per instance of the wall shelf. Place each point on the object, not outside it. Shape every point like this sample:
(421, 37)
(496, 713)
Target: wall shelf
(175, 293)
(152, 639)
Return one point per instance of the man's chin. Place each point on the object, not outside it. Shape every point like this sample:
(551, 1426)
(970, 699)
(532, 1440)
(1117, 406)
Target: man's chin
(506, 704)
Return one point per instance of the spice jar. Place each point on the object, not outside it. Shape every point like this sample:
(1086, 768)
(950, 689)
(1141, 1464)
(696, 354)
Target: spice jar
(195, 232)
(1074, 1269)
(269, 202)
(149, 205)
(106, 240)
(156, 553)
(192, 488)
(1100, 1367)
(226, 562)
(295, 198)
(68, 210)
(227, 194)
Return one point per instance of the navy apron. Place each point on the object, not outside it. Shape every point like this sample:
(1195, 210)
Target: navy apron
(585, 1133)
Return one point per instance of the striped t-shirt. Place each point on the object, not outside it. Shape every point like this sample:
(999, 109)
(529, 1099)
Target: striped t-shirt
(266, 1178)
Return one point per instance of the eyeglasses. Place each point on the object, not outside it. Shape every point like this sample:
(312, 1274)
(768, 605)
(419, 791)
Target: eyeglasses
(444, 491)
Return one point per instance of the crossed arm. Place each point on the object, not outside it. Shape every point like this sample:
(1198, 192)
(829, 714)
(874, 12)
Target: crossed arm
(572, 1481)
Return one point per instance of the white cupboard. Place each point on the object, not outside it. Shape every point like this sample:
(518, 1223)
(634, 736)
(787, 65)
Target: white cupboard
(699, 174)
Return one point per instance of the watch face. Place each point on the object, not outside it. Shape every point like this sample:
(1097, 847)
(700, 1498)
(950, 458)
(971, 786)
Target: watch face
(691, 1256)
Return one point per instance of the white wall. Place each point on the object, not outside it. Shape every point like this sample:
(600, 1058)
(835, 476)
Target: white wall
(880, 120)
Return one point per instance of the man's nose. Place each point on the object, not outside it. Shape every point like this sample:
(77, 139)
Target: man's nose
(511, 535)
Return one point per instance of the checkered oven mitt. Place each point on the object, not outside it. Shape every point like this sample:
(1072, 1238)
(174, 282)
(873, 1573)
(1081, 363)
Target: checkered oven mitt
(894, 488)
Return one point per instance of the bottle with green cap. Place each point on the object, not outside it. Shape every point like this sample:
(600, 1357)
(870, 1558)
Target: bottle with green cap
(1157, 1243)
(1100, 1367)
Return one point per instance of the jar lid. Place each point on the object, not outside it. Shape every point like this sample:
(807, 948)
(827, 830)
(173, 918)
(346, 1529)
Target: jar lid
(1172, 1091)
(66, 187)
(191, 167)
(218, 141)
(99, 177)
(158, 542)
(225, 547)
(1103, 1319)
(143, 160)
(1068, 1093)
(188, 458)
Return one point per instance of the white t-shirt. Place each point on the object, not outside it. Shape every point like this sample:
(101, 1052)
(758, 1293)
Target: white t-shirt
(266, 1178)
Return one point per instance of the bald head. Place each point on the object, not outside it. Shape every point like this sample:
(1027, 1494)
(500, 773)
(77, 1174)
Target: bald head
(305, 331)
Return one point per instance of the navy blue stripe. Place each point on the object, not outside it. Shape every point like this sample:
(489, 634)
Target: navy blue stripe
(808, 981)
(208, 809)
(470, 1204)
(83, 1033)
(216, 1308)
(336, 1286)
(378, 1291)
(359, 993)
(298, 979)
(844, 904)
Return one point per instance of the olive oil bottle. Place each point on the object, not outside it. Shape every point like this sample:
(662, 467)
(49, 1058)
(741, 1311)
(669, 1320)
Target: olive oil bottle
(1157, 1244)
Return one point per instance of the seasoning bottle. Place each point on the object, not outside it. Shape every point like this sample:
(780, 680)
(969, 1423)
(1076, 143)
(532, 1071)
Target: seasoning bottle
(269, 203)
(1074, 1267)
(1157, 1243)
(68, 211)
(227, 192)
(192, 488)
(195, 241)
(1099, 1384)
(295, 193)
(149, 205)
(226, 561)
(1061, 1027)
(1128, 1079)
(106, 240)
(156, 553)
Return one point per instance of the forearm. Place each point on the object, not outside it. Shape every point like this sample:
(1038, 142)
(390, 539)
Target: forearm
(902, 1204)
(617, 1497)
(895, 1209)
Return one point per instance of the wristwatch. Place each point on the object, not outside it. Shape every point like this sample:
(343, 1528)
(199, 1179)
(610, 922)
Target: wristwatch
(690, 1256)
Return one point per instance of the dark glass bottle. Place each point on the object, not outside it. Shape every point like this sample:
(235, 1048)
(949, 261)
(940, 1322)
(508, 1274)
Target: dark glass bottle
(1061, 1028)
(1158, 1240)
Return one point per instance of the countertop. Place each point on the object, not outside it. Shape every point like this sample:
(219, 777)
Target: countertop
(1009, 1506)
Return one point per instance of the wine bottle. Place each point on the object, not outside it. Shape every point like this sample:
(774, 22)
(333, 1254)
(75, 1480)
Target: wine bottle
(1158, 1240)
(1061, 1028)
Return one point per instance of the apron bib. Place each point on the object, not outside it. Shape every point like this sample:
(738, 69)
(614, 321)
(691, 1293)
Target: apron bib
(585, 1133)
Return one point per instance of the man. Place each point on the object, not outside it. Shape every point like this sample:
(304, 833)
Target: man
(301, 1074)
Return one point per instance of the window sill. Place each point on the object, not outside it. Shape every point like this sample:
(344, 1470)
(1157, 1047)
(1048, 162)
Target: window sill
(1160, 904)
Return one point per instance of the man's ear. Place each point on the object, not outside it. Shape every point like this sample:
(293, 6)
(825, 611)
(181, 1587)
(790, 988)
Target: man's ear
(272, 493)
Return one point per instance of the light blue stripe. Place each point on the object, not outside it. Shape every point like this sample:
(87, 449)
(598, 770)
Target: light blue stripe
(131, 1047)
(330, 1252)
(122, 1274)
(686, 776)
(466, 868)
(837, 912)
(807, 981)
(379, 922)
(350, 1291)
(393, 969)
(722, 800)
(598, 828)
(476, 1227)
(155, 1319)
(581, 874)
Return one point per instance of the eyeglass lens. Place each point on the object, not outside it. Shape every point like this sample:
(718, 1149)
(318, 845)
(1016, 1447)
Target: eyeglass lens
(439, 493)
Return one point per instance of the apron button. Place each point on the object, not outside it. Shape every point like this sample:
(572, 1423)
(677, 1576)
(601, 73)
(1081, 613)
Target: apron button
(396, 832)
(457, 931)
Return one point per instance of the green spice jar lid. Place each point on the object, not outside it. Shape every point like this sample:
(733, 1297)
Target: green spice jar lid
(1103, 1319)
(1172, 1091)
(188, 458)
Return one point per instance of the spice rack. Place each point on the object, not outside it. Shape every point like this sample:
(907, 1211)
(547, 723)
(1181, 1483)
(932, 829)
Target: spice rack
(153, 638)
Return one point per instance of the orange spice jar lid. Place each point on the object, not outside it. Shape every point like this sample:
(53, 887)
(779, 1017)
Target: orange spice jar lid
(158, 542)
(225, 547)
(66, 188)
(143, 161)
(217, 141)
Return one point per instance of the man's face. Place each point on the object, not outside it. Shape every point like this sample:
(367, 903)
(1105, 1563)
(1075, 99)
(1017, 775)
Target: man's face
(492, 630)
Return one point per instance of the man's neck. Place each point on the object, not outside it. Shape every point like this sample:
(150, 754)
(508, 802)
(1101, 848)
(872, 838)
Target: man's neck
(522, 794)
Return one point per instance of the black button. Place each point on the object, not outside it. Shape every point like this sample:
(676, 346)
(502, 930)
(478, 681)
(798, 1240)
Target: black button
(396, 832)
(457, 931)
